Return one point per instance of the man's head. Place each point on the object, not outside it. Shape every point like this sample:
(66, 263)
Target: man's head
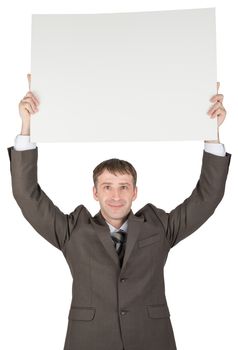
(115, 189)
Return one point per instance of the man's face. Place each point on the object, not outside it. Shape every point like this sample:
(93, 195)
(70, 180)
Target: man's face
(115, 194)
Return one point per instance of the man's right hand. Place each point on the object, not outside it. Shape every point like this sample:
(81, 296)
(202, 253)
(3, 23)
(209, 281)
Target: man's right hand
(28, 106)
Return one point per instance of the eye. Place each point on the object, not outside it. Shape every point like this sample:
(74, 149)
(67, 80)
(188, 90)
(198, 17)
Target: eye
(107, 187)
(124, 187)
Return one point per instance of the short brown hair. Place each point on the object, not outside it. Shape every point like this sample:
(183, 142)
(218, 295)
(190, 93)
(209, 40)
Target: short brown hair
(114, 166)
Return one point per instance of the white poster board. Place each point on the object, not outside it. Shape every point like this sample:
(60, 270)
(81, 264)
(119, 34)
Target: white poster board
(138, 76)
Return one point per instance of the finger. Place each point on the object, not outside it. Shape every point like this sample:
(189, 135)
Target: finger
(29, 102)
(28, 107)
(219, 112)
(29, 80)
(30, 94)
(218, 85)
(218, 98)
(214, 107)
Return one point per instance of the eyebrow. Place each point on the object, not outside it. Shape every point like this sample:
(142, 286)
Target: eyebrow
(110, 183)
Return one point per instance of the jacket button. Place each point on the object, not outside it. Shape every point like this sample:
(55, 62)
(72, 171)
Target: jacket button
(123, 279)
(123, 312)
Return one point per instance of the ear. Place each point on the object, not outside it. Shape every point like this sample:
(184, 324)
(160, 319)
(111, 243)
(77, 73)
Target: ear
(135, 193)
(95, 196)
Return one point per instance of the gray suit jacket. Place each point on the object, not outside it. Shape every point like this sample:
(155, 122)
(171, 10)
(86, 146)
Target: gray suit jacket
(115, 308)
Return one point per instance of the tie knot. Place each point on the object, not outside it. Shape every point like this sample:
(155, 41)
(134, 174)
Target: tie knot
(119, 236)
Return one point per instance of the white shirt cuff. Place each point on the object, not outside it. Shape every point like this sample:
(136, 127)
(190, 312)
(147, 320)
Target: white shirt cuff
(22, 143)
(215, 148)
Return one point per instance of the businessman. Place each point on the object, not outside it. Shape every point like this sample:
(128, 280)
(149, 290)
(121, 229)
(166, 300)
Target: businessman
(117, 257)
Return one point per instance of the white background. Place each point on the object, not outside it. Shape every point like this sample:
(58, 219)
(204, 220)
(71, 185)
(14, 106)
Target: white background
(201, 271)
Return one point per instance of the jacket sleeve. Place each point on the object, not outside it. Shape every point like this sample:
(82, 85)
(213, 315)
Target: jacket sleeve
(38, 209)
(201, 204)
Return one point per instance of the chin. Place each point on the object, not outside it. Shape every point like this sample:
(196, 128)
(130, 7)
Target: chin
(121, 215)
(116, 215)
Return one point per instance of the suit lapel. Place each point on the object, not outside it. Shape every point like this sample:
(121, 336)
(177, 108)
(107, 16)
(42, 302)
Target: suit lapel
(134, 227)
(103, 232)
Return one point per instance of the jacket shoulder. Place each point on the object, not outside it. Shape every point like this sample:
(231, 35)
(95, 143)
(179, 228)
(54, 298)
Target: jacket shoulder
(80, 213)
(153, 215)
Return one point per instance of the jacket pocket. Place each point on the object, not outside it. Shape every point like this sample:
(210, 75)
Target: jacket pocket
(82, 313)
(158, 311)
(146, 241)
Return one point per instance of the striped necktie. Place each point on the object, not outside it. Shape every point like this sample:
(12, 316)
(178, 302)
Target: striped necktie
(119, 239)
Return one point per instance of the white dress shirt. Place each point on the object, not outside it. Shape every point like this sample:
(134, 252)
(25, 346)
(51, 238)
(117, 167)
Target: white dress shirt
(114, 229)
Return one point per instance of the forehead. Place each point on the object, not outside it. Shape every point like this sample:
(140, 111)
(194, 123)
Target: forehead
(106, 176)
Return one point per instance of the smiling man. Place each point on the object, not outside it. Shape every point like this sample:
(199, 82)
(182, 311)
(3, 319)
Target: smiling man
(115, 189)
(116, 257)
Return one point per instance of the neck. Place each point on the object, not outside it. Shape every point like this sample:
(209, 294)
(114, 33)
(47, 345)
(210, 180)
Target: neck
(117, 223)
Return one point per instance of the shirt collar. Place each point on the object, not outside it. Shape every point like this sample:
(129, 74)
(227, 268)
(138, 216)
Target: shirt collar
(123, 227)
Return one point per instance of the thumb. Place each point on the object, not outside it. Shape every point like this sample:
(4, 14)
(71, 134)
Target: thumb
(29, 80)
(218, 85)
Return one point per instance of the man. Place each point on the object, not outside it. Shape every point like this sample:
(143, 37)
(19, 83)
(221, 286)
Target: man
(116, 257)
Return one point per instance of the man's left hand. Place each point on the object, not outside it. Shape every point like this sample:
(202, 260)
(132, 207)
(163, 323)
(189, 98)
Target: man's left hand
(217, 110)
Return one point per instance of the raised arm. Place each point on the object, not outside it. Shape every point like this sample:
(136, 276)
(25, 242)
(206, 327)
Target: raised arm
(201, 204)
(209, 190)
(47, 219)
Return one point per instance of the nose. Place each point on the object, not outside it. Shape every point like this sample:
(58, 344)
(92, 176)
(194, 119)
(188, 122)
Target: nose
(115, 194)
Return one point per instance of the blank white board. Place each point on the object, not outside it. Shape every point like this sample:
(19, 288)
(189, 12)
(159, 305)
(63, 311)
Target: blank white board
(138, 76)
